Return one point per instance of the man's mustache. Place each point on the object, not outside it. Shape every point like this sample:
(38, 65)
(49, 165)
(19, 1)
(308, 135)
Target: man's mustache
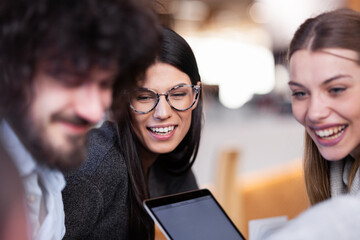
(73, 119)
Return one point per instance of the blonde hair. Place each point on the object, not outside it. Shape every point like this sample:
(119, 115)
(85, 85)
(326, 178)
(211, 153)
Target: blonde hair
(316, 172)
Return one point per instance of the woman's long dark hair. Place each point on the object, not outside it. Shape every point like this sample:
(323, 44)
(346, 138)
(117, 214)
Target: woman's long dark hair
(175, 51)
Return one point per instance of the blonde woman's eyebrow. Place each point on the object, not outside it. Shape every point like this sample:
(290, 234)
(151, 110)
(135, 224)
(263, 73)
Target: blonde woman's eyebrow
(337, 77)
(327, 81)
(292, 83)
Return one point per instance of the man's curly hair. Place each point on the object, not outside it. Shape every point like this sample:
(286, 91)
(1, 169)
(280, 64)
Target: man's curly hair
(72, 36)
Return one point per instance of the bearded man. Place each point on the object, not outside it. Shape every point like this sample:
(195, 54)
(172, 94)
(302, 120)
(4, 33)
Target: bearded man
(62, 63)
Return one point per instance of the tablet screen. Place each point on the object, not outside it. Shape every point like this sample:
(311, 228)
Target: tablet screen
(193, 215)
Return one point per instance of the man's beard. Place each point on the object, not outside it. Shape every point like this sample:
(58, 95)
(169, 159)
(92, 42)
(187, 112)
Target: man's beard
(33, 136)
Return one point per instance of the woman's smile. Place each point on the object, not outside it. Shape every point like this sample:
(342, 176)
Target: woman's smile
(162, 130)
(330, 136)
(330, 133)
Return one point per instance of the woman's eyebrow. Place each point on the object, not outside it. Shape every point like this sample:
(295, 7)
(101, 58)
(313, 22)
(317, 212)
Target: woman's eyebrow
(327, 81)
(292, 83)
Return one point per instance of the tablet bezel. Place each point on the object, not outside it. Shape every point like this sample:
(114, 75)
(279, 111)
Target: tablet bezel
(179, 197)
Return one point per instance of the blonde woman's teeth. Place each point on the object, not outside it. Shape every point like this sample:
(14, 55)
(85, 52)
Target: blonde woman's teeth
(330, 133)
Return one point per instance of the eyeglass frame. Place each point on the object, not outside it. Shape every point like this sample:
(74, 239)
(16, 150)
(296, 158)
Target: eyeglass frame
(158, 95)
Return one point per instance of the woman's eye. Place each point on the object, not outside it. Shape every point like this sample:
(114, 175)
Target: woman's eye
(336, 90)
(299, 94)
(178, 94)
(144, 97)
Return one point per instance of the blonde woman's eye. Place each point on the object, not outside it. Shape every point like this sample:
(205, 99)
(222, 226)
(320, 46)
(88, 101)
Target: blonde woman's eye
(299, 94)
(337, 90)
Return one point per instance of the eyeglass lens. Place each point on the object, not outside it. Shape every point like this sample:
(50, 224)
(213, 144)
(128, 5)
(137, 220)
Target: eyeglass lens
(180, 98)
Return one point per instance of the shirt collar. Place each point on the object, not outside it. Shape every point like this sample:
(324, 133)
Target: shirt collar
(17, 151)
(24, 161)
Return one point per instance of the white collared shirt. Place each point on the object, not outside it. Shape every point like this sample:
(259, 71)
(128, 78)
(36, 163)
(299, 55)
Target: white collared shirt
(41, 185)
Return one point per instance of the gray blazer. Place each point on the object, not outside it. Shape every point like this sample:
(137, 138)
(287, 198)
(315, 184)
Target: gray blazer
(96, 195)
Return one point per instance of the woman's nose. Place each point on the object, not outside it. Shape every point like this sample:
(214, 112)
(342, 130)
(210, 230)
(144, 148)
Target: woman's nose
(163, 110)
(318, 109)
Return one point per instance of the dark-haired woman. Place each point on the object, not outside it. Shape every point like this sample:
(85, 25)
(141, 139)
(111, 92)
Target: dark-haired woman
(147, 154)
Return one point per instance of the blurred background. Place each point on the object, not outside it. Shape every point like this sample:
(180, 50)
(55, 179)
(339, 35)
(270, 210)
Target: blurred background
(251, 147)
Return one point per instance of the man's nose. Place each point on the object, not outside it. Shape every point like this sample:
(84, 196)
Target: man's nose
(92, 102)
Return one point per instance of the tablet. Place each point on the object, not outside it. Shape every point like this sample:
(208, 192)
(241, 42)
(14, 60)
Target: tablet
(192, 215)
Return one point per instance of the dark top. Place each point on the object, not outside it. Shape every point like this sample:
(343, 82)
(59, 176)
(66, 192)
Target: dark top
(95, 197)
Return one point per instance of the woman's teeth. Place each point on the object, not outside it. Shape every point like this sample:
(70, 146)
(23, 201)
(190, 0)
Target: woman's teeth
(330, 133)
(163, 131)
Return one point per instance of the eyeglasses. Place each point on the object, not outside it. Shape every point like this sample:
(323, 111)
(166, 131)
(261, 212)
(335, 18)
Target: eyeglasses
(180, 98)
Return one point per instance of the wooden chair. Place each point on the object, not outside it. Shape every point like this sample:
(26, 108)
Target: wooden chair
(273, 192)
(158, 234)
(226, 184)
